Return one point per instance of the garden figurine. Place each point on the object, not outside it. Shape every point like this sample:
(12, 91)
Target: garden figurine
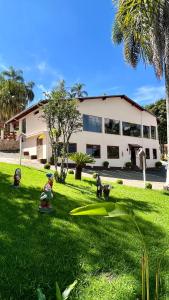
(99, 186)
(47, 195)
(106, 191)
(17, 177)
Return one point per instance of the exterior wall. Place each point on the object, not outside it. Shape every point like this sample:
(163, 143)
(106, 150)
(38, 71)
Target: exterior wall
(116, 108)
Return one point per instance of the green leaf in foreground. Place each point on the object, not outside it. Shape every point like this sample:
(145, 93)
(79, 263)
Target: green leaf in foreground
(41, 296)
(67, 291)
(102, 209)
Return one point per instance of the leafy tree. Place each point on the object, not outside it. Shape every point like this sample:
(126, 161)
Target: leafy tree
(15, 93)
(78, 90)
(81, 159)
(63, 119)
(143, 26)
(159, 110)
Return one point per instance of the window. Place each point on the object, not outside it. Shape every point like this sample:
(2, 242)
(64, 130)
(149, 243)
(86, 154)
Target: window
(72, 148)
(153, 132)
(147, 153)
(93, 150)
(113, 152)
(154, 153)
(36, 112)
(112, 126)
(146, 131)
(24, 126)
(91, 123)
(130, 129)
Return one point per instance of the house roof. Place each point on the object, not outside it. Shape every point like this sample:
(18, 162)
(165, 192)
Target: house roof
(104, 97)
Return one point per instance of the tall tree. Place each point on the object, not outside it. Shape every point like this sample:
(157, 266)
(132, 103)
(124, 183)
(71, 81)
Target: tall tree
(15, 93)
(143, 26)
(63, 119)
(78, 90)
(159, 110)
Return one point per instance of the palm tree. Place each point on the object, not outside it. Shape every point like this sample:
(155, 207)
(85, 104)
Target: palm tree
(143, 27)
(12, 74)
(81, 159)
(15, 93)
(78, 91)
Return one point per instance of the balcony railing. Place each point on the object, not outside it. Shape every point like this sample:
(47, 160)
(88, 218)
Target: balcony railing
(10, 136)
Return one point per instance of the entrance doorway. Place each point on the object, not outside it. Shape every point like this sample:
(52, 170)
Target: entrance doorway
(39, 148)
(133, 156)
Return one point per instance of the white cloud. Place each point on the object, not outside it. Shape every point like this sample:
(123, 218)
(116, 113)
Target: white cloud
(42, 66)
(148, 94)
(42, 88)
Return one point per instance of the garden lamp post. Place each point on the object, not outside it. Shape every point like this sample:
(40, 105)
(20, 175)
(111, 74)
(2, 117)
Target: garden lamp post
(142, 156)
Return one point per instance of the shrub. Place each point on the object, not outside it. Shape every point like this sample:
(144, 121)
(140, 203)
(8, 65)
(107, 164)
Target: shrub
(95, 175)
(47, 166)
(43, 161)
(70, 171)
(148, 186)
(119, 181)
(128, 164)
(158, 164)
(105, 164)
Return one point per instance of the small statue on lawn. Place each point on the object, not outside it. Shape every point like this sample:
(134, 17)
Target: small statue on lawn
(17, 177)
(47, 195)
(99, 186)
(106, 191)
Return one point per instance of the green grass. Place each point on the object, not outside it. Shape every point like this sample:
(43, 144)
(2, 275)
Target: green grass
(103, 254)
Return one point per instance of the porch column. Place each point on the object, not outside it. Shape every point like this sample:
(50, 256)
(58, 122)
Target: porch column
(2, 134)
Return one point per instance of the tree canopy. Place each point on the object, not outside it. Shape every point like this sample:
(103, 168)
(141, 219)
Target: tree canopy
(15, 93)
(159, 110)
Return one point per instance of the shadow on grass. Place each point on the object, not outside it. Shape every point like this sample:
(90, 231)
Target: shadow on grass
(40, 249)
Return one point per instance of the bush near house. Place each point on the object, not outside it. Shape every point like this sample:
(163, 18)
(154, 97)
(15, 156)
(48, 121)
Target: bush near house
(47, 166)
(106, 164)
(70, 171)
(119, 181)
(128, 165)
(148, 186)
(158, 164)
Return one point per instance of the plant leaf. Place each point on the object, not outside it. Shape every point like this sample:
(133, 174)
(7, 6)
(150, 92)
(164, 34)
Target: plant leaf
(41, 296)
(67, 291)
(58, 293)
(102, 209)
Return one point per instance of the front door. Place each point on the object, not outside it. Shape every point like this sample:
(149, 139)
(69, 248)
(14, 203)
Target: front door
(133, 156)
(39, 148)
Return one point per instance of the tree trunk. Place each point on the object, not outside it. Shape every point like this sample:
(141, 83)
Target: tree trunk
(167, 109)
(78, 173)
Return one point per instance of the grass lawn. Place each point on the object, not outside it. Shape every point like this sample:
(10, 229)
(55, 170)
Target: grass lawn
(103, 254)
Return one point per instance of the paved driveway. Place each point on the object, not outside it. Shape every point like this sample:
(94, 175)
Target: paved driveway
(131, 178)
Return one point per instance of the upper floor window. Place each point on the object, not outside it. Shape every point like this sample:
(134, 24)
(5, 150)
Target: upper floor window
(153, 132)
(113, 152)
(112, 126)
(92, 123)
(93, 150)
(146, 131)
(24, 125)
(131, 129)
(147, 153)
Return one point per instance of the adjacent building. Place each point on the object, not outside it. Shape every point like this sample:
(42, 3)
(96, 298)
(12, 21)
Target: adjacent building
(114, 127)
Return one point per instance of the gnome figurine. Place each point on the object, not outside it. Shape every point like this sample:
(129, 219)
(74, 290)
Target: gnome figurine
(47, 195)
(17, 178)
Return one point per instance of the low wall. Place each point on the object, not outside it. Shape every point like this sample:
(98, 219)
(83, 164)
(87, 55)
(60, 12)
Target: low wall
(9, 145)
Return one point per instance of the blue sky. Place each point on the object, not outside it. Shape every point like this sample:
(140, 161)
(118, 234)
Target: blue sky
(71, 39)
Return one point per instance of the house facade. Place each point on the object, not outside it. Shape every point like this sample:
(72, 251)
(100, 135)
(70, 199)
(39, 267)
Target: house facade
(114, 127)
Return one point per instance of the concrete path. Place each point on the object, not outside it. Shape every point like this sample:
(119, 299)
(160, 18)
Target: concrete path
(130, 178)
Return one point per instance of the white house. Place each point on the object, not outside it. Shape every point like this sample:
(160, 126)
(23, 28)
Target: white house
(114, 127)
